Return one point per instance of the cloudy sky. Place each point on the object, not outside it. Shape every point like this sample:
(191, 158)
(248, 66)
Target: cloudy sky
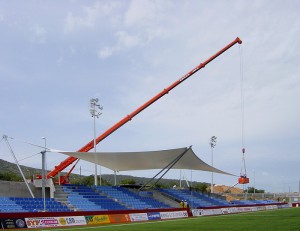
(57, 55)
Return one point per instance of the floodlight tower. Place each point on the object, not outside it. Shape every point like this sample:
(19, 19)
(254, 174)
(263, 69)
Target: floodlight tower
(213, 141)
(43, 173)
(95, 109)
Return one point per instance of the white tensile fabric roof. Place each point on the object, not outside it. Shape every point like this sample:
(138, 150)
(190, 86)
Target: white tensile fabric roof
(125, 161)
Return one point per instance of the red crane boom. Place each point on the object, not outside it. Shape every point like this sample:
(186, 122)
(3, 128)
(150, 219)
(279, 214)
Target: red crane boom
(64, 164)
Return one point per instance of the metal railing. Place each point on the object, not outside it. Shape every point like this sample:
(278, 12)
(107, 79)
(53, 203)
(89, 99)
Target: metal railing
(262, 196)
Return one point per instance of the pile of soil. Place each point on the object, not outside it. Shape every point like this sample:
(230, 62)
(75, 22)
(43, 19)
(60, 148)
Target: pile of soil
(223, 188)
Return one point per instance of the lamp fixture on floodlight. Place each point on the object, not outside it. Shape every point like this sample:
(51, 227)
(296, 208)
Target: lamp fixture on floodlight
(95, 110)
(213, 141)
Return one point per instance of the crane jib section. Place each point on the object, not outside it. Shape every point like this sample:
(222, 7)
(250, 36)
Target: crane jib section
(64, 164)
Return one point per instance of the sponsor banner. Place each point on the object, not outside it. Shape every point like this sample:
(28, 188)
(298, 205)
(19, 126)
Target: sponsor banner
(172, 215)
(35, 222)
(229, 210)
(232, 210)
(244, 209)
(270, 207)
(97, 219)
(13, 223)
(259, 208)
(119, 218)
(217, 211)
(153, 216)
(209, 212)
(54, 221)
(284, 206)
(70, 221)
(197, 212)
(225, 210)
(138, 217)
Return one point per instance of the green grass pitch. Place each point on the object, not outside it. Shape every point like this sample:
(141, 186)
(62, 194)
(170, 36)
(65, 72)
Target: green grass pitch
(273, 220)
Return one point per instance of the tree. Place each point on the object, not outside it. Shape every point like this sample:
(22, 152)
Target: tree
(254, 190)
(89, 181)
(128, 181)
(202, 187)
(10, 177)
(159, 185)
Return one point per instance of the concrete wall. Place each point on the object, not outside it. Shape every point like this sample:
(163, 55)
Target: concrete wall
(19, 189)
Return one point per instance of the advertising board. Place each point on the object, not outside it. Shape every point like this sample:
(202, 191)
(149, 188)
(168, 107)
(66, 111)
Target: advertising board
(119, 218)
(138, 217)
(72, 221)
(13, 223)
(42, 222)
(153, 216)
(172, 215)
(97, 219)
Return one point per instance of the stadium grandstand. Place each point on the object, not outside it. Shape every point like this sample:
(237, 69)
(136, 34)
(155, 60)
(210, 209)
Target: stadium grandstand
(106, 198)
(52, 203)
(44, 203)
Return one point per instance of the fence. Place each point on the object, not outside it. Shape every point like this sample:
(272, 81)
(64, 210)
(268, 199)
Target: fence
(262, 196)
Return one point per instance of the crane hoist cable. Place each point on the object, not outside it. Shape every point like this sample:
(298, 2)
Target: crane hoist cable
(243, 175)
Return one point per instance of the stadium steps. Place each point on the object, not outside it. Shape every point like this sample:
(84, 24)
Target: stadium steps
(87, 199)
(61, 196)
(130, 199)
(167, 200)
(158, 196)
(194, 199)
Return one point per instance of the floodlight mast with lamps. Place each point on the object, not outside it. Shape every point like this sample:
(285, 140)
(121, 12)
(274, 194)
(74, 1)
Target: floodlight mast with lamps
(95, 113)
(213, 141)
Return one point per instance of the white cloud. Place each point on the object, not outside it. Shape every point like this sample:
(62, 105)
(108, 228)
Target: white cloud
(91, 14)
(146, 13)
(141, 25)
(126, 40)
(75, 23)
(60, 60)
(105, 52)
(39, 33)
(147, 17)
(265, 173)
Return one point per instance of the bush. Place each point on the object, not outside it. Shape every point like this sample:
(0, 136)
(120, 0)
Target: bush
(10, 177)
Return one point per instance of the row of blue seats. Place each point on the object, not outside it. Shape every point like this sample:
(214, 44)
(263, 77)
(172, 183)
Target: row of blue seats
(190, 198)
(252, 202)
(130, 198)
(20, 204)
(213, 200)
(86, 196)
(201, 200)
(12, 210)
(32, 206)
(118, 194)
(88, 200)
(30, 199)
